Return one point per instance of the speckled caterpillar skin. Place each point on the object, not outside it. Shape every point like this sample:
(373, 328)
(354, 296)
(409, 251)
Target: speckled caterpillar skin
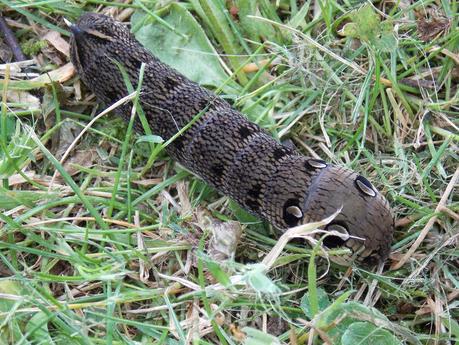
(232, 154)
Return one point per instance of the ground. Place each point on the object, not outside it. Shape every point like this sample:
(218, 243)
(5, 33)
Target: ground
(105, 240)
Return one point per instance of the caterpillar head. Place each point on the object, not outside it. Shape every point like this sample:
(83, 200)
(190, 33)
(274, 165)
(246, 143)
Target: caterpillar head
(365, 220)
(305, 190)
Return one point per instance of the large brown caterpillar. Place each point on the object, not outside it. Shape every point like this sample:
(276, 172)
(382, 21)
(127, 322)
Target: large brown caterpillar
(230, 153)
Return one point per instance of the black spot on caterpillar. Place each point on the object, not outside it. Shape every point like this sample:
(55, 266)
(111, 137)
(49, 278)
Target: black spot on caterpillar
(235, 156)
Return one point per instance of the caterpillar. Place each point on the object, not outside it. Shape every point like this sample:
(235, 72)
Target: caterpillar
(236, 157)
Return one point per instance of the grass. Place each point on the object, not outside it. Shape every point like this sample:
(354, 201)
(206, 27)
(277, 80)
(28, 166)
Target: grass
(117, 244)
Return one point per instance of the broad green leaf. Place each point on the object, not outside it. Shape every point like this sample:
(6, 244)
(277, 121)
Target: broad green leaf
(258, 280)
(350, 30)
(190, 52)
(323, 302)
(37, 329)
(358, 309)
(342, 315)
(365, 333)
(387, 41)
(367, 26)
(353, 310)
(367, 23)
(10, 287)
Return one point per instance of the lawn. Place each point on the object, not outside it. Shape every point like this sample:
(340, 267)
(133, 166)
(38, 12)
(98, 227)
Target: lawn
(104, 239)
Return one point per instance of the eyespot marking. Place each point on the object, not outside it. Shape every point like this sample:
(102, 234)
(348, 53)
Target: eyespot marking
(292, 213)
(339, 228)
(365, 186)
(333, 241)
(295, 211)
(316, 163)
